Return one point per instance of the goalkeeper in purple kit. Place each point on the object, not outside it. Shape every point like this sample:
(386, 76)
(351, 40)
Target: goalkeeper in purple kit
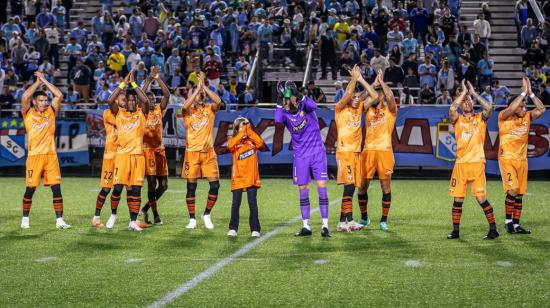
(298, 115)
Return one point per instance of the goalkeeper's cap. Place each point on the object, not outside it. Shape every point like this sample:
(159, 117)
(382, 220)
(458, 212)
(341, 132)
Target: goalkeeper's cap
(287, 94)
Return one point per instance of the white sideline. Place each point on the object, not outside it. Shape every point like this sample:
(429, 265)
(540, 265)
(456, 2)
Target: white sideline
(207, 273)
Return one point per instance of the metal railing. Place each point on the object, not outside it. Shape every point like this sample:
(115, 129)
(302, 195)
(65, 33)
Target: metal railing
(254, 69)
(537, 12)
(307, 72)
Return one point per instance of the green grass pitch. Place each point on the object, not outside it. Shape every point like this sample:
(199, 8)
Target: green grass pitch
(412, 265)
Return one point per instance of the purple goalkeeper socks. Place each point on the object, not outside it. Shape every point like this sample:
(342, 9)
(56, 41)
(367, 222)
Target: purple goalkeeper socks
(304, 203)
(323, 201)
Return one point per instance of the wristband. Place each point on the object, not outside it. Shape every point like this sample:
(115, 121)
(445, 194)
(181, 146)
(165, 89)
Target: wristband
(134, 85)
(532, 95)
(523, 94)
(122, 85)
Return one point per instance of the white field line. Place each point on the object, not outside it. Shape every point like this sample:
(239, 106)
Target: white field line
(207, 273)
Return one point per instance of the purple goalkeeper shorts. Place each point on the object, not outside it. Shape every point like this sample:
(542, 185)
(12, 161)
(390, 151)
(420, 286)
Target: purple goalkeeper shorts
(316, 163)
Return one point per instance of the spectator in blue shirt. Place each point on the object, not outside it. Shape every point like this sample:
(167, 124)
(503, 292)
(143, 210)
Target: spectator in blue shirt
(9, 28)
(428, 73)
(227, 98)
(265, 34)
(434, 49)
(419, 22)
(45, 18)
(339, 91)
(485, 69)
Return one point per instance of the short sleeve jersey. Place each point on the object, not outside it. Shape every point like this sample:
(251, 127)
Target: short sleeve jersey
(40, 128)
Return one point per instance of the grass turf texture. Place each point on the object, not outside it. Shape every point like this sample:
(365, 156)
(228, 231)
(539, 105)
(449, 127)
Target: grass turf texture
(411, 265)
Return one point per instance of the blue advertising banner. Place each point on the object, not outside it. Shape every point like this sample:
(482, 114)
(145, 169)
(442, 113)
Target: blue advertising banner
(70, 138)
(423, 136)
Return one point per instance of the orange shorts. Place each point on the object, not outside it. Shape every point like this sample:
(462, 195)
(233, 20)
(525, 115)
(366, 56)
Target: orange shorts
(42, 166)
(349, 168)
(464, 174)
(514, 175)
(381, 162)
(155, 162)
(200, 165)
(129, 169)
(107, 169)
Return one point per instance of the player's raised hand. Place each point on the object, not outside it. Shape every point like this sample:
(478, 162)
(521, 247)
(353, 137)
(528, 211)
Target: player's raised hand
(528, 83)
(155, 72)
(39, 76)
(380, 77)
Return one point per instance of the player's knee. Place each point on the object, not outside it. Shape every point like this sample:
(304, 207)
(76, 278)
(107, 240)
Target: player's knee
(117, 190)
(56, 190)
(459, 199)
(163, 185)
(349, 190)
(29, 192)
(302, 187)
(321, 184)
(513, 192)
(191, 188)
(481, 199)
(104, 191)
(136, 191)
(214, 187)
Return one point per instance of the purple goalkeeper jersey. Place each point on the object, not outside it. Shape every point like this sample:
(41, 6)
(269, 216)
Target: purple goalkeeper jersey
(303, 127)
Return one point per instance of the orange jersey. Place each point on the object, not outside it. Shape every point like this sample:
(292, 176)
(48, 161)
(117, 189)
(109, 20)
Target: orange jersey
(40, 128)
(131, 128)
(245, 160)
(470, 137)
(514, 135)
(380, 123)
(153, 129)
(109, 121)
(199, 123)
(348, 124)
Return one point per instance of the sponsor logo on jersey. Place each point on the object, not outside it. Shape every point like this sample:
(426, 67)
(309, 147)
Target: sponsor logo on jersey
(300, 126)
(129, 126)
(199, 124)
(522, 131)
(40, 126)
(246, 154)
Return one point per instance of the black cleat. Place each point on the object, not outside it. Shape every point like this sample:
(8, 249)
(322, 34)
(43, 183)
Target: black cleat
(491, 235)
(303, 232)
(158, 221)
(324, 232)
(510, 228)
(520, 230)
(453, 235)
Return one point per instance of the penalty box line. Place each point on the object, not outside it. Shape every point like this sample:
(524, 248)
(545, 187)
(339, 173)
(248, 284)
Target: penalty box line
(209, 272)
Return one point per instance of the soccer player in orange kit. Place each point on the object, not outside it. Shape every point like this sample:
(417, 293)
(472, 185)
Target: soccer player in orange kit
(514, 123)
(42, 162)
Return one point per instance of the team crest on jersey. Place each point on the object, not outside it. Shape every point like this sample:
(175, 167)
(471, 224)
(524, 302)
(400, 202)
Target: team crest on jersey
(445, 148)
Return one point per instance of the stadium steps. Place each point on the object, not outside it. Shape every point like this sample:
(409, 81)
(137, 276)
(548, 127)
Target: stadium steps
(503, 46)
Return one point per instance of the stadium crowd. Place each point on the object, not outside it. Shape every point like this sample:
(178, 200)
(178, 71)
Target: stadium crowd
(420, 45)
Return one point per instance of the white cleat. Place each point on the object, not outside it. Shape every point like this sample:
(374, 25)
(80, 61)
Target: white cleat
(354, 226)
(192, 224)
(133, 226)
(25, 223)
(96, 222)
(111, 222)
(255, 234)
(61, 224)
(232, 233)
(208, 222)
(342, 227)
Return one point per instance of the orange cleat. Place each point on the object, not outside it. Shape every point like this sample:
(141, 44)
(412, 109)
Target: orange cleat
(142, 224)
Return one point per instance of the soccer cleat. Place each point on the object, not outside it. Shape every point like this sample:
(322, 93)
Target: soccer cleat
(111, 221)
(520, 230)
(25, 223)
(491, 235)
(145, 216)
(232, 233)
(342, 227)
(255, 234)
(192, 224)
(510, 228)
(61, 224)
(453, 235)
(353, 226)
(142, 224)
(158, 221)
(304, 232)
(324, 232)
(96, 222)
(208, 222)
(383, 226)
(364, 222)
(134, 226)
